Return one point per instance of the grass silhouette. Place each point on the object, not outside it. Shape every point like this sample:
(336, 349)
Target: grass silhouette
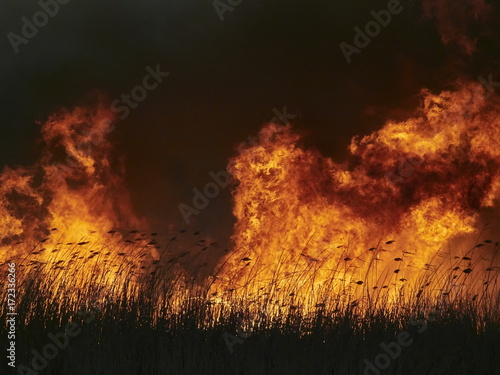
(153, 317)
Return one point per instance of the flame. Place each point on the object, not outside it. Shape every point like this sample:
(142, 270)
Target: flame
(401, 216)
(310, 226)
(72, 197)
(87, 192)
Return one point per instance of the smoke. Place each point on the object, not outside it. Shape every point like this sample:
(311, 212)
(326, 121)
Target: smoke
(460, 23)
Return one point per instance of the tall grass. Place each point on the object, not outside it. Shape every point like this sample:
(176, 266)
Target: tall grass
(153, 317)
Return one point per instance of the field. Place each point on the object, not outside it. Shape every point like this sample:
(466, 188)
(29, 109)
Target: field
(157, 321)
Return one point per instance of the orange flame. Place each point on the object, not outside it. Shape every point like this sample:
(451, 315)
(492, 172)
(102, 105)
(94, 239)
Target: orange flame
(306, 224)
(74, 188)
(74, 196)
(87, 193)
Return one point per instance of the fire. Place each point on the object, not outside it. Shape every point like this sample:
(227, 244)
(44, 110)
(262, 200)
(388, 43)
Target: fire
(401, 217)
(409, 200)
(72, 197)
(73, 187)
(87, 192)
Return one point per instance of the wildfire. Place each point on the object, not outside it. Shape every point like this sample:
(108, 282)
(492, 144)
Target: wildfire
(407, 201)
(73, 197)
(402, 217)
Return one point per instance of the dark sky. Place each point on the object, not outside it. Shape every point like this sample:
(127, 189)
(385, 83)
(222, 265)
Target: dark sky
(227, 76)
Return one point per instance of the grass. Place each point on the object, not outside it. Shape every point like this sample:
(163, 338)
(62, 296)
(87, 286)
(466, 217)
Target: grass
(150, 318)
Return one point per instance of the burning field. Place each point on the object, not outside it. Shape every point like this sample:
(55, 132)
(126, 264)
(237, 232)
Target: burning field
(380, 257)
(405, 232)
(414, 197)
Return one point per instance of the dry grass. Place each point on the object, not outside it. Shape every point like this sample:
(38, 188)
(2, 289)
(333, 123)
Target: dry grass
(153, 320)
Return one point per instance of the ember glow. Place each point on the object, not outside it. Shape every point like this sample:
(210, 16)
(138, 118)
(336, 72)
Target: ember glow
(408, 204)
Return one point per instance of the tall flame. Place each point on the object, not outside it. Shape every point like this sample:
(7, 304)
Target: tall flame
(307, 224)
(87, 191)
(74, 187)
(72, 197)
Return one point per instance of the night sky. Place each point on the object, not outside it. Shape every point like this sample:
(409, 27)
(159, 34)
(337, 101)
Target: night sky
(226, 77)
